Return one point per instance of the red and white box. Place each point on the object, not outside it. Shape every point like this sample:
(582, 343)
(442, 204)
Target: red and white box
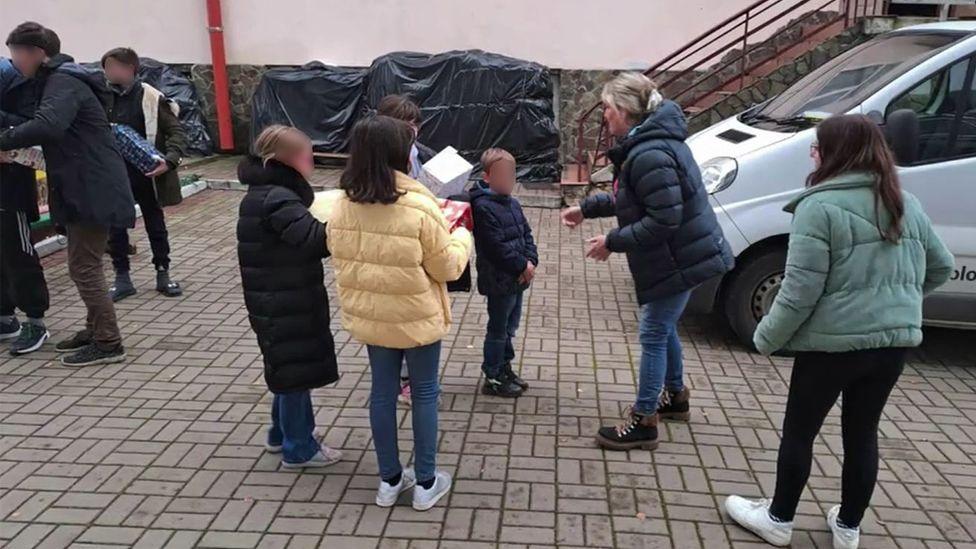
(32, 157)
(458, 214)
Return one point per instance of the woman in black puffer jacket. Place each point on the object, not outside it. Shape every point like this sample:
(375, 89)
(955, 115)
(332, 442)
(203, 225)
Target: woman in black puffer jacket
(280, 247)
(671, 237)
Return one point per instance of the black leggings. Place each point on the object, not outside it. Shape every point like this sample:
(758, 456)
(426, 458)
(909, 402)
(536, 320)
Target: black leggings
(865, 378)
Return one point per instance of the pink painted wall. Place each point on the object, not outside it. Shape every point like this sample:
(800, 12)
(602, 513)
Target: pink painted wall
(568, 34)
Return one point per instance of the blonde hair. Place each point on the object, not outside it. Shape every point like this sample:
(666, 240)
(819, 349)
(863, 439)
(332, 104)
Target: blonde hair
(632, 93)
(277, 139)
(493, 155)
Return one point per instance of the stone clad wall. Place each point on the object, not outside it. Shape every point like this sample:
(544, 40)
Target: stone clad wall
(242, 80)
(578, 91)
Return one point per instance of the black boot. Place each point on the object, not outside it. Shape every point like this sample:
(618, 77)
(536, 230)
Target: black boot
(509, 373)
(123, 287)
(501, 386)
(166, 286)
(675, 406)
(637, 431)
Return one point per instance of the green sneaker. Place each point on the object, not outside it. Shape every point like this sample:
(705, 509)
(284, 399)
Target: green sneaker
(31, 338)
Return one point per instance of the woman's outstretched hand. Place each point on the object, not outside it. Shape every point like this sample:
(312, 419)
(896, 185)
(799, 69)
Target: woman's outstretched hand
(572, 216)
(597, 248)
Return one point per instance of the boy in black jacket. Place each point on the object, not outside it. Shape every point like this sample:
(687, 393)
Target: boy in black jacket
(146, 110)
(507, 258)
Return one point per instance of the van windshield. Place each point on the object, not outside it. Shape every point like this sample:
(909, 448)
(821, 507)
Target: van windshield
(843, 83)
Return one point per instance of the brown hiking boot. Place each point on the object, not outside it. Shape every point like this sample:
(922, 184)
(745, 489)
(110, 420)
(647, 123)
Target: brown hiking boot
(675, 406)
(637, 431)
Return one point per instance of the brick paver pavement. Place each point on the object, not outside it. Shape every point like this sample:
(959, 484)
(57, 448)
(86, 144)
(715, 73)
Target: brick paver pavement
(165, 450)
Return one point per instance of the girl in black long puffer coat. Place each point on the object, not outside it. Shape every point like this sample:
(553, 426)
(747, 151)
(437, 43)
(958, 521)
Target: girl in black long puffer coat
(280, 247)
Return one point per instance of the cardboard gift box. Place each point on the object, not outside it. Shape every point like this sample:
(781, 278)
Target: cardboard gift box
(458, 214)
(446, 173)
(138, 152)
(32, 157)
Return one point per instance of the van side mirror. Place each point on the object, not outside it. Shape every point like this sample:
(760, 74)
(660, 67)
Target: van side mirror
(902, 129)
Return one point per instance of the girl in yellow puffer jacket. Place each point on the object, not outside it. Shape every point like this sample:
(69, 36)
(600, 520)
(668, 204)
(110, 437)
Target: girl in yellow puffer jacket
(393, 254)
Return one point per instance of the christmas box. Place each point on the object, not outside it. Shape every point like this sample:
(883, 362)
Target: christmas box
(32, 157)
(138, 152)
(458, 214)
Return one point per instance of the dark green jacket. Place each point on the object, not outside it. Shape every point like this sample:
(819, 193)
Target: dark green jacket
(846, 288)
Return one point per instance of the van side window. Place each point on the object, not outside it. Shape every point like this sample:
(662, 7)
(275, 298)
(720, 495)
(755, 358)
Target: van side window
(946, 107)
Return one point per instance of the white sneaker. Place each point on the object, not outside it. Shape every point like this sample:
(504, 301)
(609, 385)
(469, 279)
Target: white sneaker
(424, 499)
(387, 496)
(323, 458)
(753, 515)
(844, 538)
(272, 448)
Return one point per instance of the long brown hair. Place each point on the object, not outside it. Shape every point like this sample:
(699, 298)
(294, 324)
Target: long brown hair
(378, 148)
(853, 143)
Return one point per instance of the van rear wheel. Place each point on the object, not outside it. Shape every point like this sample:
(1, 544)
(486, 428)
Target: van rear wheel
(751, 291)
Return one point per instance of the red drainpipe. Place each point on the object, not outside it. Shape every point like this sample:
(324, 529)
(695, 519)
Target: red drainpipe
(221, 90)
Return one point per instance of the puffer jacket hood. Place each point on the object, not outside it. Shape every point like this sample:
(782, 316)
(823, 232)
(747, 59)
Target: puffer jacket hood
(392, 262)
(253, 172)
(9, 75)
(667, 122)
(92, 78)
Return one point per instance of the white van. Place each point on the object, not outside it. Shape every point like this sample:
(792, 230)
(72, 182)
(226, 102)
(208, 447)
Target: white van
(919, 83)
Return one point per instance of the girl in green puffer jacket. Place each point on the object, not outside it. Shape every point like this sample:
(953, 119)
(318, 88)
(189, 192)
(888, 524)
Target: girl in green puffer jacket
(862, 254)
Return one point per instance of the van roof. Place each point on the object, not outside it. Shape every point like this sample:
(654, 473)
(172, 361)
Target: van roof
(958, 26)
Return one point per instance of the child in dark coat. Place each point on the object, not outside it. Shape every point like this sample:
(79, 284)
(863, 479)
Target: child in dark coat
(507, 258)
(280, 247)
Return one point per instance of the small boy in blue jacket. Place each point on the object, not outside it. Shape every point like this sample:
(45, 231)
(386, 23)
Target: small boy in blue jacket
(506, 262)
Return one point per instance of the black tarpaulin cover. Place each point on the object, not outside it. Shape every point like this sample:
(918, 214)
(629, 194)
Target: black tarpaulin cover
(471, 100)
(474, 100)
(321, 100)
(181, 90)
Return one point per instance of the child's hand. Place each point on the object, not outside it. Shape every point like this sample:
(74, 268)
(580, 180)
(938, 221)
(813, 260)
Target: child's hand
(528, 274)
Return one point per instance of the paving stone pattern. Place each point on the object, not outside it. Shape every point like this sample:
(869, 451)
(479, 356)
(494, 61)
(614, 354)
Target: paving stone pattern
(166, 449)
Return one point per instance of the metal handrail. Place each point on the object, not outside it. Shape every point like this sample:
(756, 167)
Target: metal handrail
(745, 54)
(851, 11)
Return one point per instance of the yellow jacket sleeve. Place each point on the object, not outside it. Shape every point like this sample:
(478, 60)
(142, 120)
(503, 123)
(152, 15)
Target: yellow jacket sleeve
(446, 254)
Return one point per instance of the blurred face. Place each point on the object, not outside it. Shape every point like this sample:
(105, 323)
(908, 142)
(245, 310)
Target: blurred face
(27, 59)
(117, 72)
(298, 155)
(501, 178)
(815, 154)
(617, 123)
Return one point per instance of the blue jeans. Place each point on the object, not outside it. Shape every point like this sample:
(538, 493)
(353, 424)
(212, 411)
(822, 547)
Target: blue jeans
(504, 314)
(660, 364)
(422, 363)
(292, 426)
